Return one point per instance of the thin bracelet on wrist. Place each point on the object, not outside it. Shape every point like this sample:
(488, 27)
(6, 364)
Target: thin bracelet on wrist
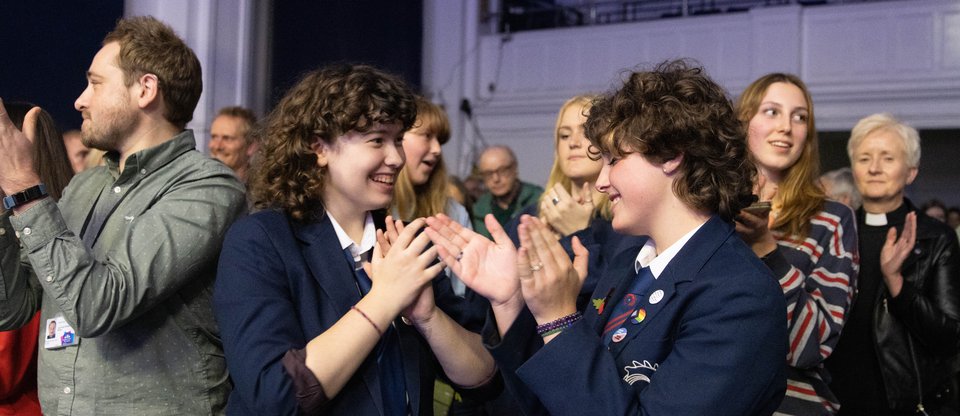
(558, 325)
(377, 328)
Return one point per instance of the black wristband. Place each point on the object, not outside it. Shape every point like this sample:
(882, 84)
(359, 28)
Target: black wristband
(32, 193)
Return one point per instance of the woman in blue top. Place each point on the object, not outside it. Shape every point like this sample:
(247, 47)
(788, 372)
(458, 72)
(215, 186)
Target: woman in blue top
(308, 296)
(692, 323)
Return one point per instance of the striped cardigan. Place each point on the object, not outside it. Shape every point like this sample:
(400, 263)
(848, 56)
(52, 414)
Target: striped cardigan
(818, 278)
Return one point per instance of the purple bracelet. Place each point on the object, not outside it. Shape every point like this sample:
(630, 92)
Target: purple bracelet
(558, 325)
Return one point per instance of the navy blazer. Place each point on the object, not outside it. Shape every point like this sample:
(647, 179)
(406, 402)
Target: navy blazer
(281, 283)
(714, 344)
(602, 242)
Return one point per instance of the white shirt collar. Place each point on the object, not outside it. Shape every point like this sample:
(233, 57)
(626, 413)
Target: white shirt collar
(366, 242)
(875, 219)
(648, 254)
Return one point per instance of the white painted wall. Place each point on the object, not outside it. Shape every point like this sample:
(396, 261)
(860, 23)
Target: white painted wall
(229, 38)
(896, 56)
(899, 56)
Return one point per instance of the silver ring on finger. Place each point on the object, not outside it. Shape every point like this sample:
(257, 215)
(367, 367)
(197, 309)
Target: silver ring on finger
(536, 267)
(555, 200)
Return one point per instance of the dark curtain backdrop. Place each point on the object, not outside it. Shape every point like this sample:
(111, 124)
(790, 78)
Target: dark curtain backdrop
(47, 46)
(309, 34)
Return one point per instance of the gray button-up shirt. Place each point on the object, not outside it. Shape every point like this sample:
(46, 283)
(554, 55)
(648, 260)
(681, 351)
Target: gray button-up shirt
(138, 293)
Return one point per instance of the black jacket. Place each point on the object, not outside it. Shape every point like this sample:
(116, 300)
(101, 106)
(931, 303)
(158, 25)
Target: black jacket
(918, 332)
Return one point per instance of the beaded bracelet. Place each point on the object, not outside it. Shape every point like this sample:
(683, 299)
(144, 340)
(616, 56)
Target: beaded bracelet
(368, 319)
(558, 325)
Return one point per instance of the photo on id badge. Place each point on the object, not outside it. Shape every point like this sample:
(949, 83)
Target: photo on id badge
(59, 334)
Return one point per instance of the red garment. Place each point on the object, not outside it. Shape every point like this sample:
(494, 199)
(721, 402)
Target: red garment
(18, 370)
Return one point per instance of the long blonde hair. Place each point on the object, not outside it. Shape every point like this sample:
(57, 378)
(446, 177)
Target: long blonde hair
(601, 205)
(415, 201)
(798, 195)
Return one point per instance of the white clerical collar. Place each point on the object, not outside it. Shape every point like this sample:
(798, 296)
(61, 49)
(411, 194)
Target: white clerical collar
(875, 220)
(648, 254)
(366, 242)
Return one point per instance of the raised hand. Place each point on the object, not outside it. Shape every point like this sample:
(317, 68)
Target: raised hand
(487, 267)
(401, 271)
(387, 237)
(895, 251)
(424, 306)
(16, 152)
(755, 231)
(764, 188)
(567, 213)
(551, 282)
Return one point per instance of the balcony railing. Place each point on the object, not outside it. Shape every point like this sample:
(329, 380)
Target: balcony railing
(520, 15)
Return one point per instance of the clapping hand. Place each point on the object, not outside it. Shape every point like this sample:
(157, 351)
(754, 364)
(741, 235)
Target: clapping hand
(16, 152)
(895, 251)
(487, 267)
(402, 266)
(567, 213)
(550, 282)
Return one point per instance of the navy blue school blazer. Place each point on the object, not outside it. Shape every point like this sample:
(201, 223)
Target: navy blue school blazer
(714, 344)
(281, 283)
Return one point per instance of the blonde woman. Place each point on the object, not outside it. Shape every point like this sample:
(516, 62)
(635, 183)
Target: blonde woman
(570, 202)
(571, 205)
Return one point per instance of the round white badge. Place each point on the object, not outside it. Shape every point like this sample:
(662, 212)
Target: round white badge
(656, 297)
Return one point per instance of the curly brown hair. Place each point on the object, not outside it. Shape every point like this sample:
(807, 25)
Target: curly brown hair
(324, 105)
(148, 46)
(677, 110)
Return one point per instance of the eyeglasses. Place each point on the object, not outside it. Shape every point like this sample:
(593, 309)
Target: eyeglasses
(499, 172)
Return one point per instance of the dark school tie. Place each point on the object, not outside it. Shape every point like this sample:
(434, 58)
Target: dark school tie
(389, 355)
(628, 308)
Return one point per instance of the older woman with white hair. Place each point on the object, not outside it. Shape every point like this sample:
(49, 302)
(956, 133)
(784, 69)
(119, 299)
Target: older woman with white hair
(898, 350)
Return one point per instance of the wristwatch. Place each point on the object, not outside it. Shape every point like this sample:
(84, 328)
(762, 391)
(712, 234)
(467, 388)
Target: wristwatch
(32, 193)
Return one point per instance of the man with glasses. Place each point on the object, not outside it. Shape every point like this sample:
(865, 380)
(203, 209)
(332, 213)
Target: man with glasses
(506, 195)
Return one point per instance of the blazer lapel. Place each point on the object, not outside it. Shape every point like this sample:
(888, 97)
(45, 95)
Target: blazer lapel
(682, 268)
(334, 275)
(611, 288)
(328, 264)
(666, 285)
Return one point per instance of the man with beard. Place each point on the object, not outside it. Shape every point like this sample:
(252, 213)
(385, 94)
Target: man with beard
(125, 261)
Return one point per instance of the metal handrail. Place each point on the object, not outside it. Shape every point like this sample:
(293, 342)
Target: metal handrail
(520, 15)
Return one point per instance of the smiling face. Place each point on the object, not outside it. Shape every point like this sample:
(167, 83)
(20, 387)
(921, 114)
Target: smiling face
(361, 168)
(572, 147)
(110, 114)
(639, 191)
(777, 132)
(881, 171)
(228, 142)
(422, 150)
